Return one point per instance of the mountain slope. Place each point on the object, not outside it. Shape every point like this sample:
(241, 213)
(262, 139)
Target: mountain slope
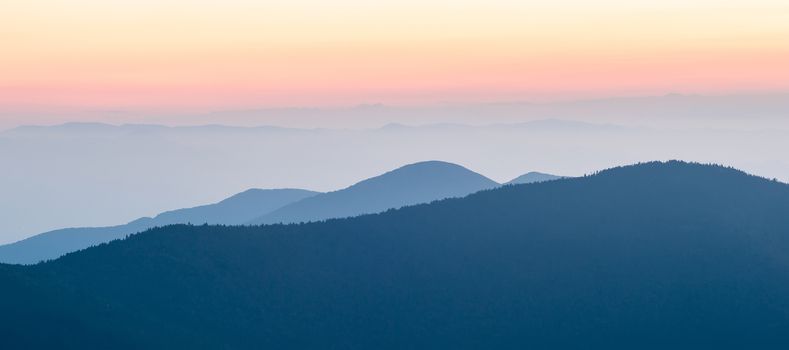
(411, 184)
(655, 255)
(533, 177)
(234, 210)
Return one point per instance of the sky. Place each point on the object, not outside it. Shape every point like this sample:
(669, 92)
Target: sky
(62, 57)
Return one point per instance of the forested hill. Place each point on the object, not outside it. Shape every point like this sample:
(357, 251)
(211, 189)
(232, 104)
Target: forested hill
(671, 254)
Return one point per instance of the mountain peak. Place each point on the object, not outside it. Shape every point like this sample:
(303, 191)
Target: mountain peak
(411, 184)
(431, 167)
(532, 177)
(427, 173)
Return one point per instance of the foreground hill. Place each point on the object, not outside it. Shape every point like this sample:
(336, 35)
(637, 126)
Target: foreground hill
(234, 210)
(664, 254)
(416, 183)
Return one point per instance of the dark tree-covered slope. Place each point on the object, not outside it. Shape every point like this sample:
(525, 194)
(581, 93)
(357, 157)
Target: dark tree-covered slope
(657, 254)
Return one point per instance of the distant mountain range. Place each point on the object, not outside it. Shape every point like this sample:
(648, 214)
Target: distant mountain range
(411, 184)
(45, 168)
(657, 254)
(105, 130)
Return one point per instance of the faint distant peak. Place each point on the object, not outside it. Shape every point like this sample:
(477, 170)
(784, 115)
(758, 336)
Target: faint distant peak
(674, 95)
(81, 128)
(68, 126)
(562, 125)
(370, 106)
(430, 127)
(533, 177)
(395, 126)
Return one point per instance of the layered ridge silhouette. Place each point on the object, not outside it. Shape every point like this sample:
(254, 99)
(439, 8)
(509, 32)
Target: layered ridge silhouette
(234, 210)
(411, 184)
(661, 254)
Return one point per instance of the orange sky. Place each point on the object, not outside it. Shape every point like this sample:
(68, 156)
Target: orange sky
(197, 55)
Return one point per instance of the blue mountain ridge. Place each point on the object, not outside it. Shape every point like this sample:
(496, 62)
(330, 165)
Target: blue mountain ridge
(655, 255)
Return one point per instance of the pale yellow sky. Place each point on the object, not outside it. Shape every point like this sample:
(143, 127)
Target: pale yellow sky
(187, 54)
